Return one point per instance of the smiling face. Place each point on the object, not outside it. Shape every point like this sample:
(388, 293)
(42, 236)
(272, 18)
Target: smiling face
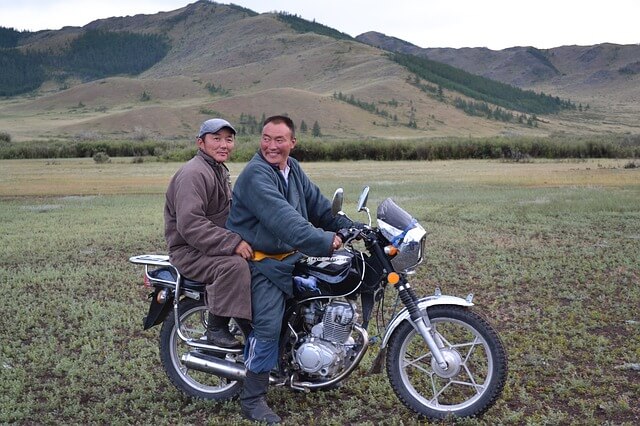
(218, 145)
(276, 143)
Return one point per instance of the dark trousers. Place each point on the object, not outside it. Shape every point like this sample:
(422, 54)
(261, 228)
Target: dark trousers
(268, 304)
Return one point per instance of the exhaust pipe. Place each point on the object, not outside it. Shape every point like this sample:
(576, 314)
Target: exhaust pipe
(216, 366)
(219, 367)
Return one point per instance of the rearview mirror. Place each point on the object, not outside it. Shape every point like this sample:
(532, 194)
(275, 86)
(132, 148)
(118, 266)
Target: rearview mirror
(336, 203)
(362, 201)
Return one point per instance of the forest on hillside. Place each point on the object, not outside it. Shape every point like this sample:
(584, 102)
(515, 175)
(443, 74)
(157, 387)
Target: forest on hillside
(481, 88)
(95, 54)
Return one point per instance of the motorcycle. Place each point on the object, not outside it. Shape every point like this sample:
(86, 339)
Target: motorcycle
(442, 358)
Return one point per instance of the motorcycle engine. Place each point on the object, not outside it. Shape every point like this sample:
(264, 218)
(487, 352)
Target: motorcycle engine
(323, 351)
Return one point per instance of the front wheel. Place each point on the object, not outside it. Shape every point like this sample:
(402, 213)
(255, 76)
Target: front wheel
(197, 384)
(477, 365)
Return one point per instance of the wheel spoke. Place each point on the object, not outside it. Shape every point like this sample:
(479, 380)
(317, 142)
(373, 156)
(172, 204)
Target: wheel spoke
(415, 359)
(189, 331)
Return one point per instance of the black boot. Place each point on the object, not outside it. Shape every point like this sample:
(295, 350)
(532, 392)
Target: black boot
(252, 399)
(218, 333)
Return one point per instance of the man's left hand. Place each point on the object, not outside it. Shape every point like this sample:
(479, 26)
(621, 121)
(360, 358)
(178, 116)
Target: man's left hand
(244, 249)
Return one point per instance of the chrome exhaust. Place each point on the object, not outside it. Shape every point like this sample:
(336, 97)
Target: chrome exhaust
(213, 365)
(220, 367)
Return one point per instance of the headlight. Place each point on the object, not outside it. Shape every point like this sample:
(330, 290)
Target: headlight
(410, 255)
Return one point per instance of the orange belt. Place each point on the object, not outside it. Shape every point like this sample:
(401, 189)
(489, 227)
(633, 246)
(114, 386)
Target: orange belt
(259, 255)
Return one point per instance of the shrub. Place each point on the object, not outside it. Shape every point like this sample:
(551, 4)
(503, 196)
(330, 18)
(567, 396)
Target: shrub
(101, 157)
(5, 138)
(141, 134)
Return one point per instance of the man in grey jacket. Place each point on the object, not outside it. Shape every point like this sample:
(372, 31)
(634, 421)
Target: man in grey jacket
(198, 200)
(280, 212)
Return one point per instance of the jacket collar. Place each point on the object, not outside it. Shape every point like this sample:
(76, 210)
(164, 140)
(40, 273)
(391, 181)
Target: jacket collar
(213, 163)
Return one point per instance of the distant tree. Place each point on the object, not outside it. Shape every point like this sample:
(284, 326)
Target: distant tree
(98, 53)
(9, 37)
(145, 96)
(20, 72)
(315, 131)
(303, 127)
(479, 88)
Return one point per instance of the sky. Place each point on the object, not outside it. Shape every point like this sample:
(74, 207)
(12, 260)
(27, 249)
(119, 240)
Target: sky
(495, 24)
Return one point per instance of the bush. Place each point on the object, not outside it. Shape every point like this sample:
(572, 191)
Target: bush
(521, 149)
(101, 157)
(5, 138)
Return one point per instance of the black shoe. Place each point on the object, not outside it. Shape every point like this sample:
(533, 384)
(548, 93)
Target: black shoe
(252, 399)
(218, 333)
(260, 412)
(223, 338)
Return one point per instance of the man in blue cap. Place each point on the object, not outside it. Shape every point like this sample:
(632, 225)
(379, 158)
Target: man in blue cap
(197, 204)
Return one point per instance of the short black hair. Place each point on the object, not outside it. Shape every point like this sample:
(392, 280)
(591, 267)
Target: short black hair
(277, 119)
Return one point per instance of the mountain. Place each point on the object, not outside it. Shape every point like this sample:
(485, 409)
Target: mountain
(606, 75)
(211, 59)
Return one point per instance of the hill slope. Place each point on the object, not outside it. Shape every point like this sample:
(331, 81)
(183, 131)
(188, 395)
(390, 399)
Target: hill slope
(255, 64)
(605, 76)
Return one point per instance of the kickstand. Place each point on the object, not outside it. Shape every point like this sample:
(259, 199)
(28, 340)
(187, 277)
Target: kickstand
(378, 362)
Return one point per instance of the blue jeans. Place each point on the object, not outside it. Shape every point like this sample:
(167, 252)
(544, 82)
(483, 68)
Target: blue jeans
(267, 307)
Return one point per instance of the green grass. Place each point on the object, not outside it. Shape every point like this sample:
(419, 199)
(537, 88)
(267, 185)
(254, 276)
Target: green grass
(550, 250)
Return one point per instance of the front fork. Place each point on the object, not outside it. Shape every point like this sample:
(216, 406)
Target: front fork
(421, 322)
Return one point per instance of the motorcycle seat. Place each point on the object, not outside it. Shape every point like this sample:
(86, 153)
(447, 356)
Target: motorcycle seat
(193, 285)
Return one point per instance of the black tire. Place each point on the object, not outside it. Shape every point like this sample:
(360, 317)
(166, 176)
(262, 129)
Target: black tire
(470, 343)
(195, 384)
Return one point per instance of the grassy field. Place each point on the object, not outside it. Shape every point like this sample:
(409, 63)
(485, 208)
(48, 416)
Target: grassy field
(551, 251)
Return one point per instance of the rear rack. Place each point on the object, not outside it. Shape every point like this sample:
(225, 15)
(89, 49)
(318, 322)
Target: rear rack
(151, 259)
(159, 260)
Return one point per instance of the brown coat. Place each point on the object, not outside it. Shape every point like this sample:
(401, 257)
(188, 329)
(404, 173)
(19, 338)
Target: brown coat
(197, 204)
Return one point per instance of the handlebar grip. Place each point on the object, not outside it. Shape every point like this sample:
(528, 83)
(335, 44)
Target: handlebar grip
(343, 234)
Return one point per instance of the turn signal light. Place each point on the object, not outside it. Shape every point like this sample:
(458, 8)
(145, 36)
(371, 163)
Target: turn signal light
(391, 250)
(393, 278)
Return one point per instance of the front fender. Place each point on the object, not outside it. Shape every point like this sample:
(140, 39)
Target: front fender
(423, 304)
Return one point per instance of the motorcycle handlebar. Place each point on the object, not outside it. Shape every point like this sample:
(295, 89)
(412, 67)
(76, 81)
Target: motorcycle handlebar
(355, 232)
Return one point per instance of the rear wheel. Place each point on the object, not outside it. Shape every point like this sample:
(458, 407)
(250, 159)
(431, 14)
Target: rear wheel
(193, 317)
(477, 365)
